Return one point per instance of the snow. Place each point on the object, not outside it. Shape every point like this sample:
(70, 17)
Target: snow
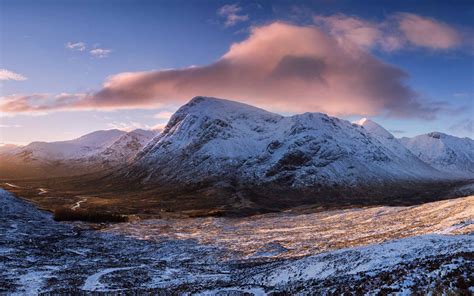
(92, 152)
(42, 191)
(12, 185)
(7, 148)
(372, 258)
(92, 282)
(215, 137)
(78, 148)
(288, 234)
(39, 255)
(444, 152)
(78, 203)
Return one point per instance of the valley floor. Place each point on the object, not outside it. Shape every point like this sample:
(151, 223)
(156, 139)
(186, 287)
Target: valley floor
(376, 250)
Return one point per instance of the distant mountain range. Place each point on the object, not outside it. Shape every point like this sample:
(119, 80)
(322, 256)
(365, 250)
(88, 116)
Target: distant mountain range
(93, 152)
(224, 155)
(446, 153)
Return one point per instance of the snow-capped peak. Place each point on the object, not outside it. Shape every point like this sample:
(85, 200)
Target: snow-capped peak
(217, 108)
(444, 152)
(210, 136)
(374, 128)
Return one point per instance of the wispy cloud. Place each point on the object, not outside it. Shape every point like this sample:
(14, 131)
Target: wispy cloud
(395, 32)
(100, 53)
(428, 32)
(463, 94)
(163, 115)
(76, 46)
(466, 125)
(128, 125)
(230, 13)
(9, 125)
(10, 75)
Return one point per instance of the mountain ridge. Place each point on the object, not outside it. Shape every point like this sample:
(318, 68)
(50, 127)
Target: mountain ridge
(445, 152)
(95, 151)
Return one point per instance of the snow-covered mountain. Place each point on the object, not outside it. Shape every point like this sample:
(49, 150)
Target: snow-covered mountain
(7, 148)
(392, 143)
(81, 147)
(127, 146)
(92, 152)
(215, 138)
(445, 152)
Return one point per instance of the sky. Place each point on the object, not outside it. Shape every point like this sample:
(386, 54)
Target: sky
(71, 67)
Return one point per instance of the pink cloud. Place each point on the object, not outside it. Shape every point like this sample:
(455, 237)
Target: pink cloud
(10, 75)
(361, 32)
(393, 33)
(427, 32)
(280, 66)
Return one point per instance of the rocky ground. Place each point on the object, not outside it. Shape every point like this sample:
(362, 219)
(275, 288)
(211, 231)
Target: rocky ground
(378, 250)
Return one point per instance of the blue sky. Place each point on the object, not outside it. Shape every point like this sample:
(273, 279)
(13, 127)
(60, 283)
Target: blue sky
(136, 36)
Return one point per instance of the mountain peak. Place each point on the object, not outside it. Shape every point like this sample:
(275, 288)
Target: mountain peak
(362, 121)
(374, 128)
(436, 135)
(444, 152)
(211, 105)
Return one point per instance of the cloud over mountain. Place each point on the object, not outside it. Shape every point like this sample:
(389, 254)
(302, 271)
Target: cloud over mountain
(280, 66)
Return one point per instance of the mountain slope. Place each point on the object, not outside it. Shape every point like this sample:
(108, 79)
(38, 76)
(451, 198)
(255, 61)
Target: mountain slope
(81, 147)
(230, 157)
(394, 145)
(92, 152)
(446, 153)
(214, 137)
(127, 146)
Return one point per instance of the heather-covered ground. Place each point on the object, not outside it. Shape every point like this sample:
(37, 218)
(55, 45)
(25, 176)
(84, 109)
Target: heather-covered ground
(367, 250)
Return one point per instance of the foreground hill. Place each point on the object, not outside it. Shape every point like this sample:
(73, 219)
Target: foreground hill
(446, 153)
(92, 152)
(280, 253)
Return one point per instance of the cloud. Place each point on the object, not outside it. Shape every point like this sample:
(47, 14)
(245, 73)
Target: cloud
(463, 94)
(364, 33)
(39, 103)
(9, 75)
(427, 32)
(397, 131)
(128, 125)
(394, 33)
(9, 125)
(282, 67)
(163, 115)
(100, 53)
(76, 46)
(464, 125)
(230, 13)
